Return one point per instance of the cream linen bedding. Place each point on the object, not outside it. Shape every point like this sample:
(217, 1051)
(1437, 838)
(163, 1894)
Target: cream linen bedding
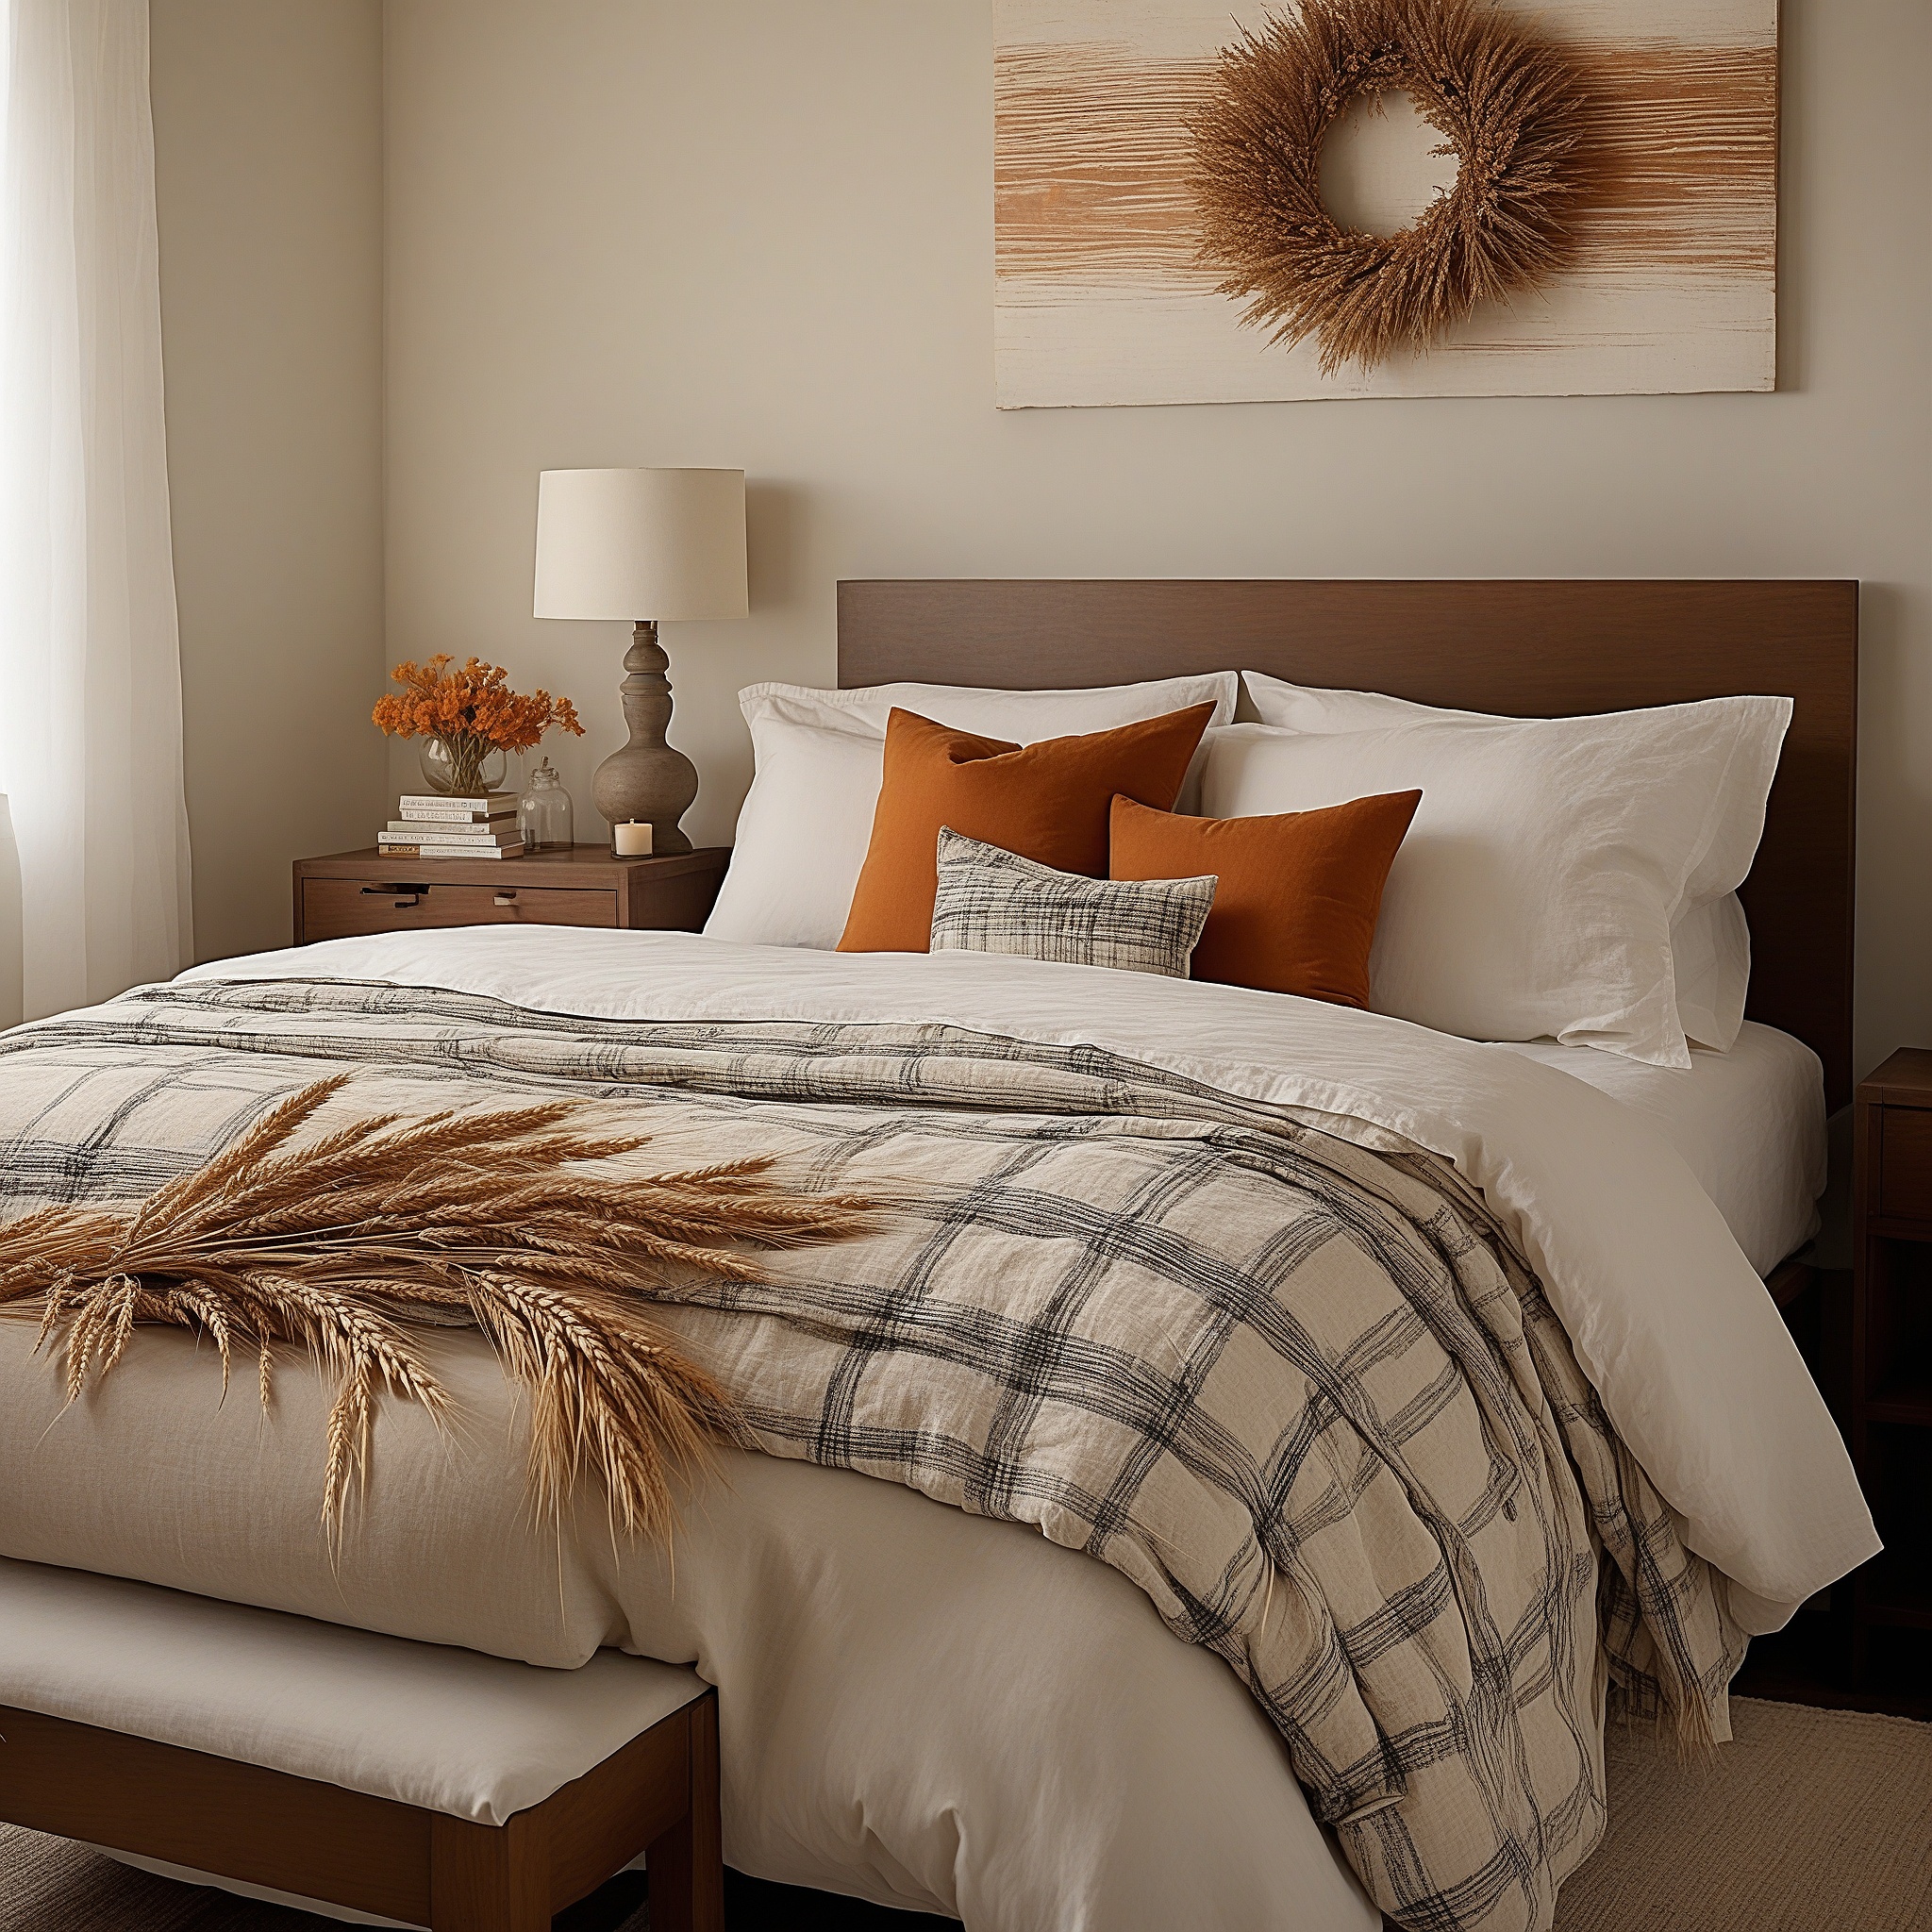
(922, 1707)
(1428, 1852)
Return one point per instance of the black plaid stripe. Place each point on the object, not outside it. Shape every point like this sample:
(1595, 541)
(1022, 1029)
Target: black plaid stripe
(993, 901)
(1304, 1395)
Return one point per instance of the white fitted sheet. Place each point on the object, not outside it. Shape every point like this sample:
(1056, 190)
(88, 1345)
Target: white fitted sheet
(1749, 1124)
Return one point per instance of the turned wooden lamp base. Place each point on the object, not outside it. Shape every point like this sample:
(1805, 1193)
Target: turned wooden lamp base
(647, 779)
(613, 542)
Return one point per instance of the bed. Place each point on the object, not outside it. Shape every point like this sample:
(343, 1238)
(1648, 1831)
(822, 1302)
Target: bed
(920, 1704)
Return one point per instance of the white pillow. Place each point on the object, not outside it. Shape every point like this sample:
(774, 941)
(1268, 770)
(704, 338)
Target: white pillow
(1549, 860)
(1710, 944)
(806, 823)
(1710, 958)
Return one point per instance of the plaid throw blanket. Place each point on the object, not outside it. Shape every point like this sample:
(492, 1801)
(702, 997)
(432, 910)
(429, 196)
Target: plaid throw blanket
(1302, 1394)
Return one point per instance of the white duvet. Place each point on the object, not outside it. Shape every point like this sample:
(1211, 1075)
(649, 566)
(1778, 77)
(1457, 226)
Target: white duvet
(938, 1710)
(1668, 1320)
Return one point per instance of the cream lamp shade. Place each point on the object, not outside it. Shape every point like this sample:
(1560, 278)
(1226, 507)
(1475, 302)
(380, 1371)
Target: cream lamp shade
(664, 544)
(643, 547)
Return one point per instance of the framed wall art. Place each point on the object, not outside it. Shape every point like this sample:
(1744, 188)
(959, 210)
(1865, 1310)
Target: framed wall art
(1331, 198)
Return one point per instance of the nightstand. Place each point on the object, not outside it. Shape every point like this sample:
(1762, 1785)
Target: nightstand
(358, 892)
(1892, 1359)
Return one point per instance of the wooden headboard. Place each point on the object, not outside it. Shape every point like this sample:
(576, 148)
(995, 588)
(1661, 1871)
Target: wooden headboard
(1532, 649)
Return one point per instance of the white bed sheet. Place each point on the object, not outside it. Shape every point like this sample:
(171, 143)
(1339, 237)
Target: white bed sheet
(1749, 1124)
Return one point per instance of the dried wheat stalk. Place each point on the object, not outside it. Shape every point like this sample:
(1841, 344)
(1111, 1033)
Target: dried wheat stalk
(1510, 109)
(339, 1244)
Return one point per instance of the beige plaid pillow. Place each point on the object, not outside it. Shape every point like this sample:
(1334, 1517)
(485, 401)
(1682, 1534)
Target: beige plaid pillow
(993, 901)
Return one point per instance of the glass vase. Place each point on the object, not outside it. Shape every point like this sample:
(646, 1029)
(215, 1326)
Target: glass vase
(463, 770)
(543, 813)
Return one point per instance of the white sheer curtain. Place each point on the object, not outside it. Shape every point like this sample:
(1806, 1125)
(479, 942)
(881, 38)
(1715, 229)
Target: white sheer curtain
(89, 657)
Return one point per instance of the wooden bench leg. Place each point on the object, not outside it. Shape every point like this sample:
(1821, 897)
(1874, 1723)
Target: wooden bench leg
(687, 1863)
(490, 1878)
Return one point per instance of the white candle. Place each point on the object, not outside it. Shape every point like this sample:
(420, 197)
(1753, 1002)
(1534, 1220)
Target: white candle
(633, 838)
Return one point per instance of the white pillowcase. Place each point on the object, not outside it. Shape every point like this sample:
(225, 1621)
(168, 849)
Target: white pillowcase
(1710, 944)
(1549, 860)
(806, 823)
(1710, 961)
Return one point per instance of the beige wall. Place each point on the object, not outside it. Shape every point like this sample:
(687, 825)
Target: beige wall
(749, 231)
(268, 157)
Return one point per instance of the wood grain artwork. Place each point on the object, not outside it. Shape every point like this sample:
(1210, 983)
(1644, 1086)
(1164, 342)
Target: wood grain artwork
(1112, 247)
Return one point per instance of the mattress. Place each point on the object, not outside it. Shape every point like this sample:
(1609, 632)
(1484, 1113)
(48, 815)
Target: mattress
(1749, 1124)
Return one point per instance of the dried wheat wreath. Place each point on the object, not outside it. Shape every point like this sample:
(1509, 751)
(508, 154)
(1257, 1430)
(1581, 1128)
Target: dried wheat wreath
(1510, 109)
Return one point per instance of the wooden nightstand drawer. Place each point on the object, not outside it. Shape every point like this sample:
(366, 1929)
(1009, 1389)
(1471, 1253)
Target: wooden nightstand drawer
(1905, 1163)
(356, 894)
(339, 908)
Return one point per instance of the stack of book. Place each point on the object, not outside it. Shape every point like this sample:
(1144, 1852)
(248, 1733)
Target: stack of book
(427, 826)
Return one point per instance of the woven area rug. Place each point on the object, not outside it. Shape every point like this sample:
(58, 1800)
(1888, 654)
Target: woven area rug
(1812, 1821)
(1809, 1821)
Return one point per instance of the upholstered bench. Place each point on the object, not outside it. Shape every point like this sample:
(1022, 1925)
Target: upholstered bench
(419, 1784)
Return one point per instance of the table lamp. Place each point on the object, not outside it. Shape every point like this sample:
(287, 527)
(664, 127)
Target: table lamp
(643, 546)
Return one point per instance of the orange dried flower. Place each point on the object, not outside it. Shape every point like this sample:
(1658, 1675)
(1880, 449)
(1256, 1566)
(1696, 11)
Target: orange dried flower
(471, 711)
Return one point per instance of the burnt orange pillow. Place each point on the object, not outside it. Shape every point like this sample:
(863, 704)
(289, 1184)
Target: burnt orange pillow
(1299, 894)
(1047, 802)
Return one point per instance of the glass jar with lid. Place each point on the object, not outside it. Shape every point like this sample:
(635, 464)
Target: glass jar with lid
(543, 813)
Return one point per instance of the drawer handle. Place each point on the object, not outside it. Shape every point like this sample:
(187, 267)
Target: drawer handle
(505, 898)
